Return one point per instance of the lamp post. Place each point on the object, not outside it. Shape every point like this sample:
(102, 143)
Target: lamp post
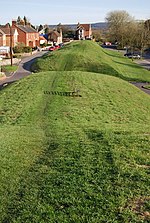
(0, 65)
(11, 56)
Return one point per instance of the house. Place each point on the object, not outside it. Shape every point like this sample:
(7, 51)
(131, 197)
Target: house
(42, 40)
(26, 34)
(83, 31)
(6, 32)
(55, 37)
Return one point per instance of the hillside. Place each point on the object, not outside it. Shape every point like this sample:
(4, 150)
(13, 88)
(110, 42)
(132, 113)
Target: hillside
(76, 157)
(89, 56)
(98, 25)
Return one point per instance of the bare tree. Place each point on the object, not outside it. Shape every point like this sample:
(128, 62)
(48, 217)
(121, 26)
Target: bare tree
(118, 22)
(142, 36)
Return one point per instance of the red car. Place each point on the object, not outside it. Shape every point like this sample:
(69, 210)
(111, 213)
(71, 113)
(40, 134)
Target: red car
(57, 47)
(52, 48)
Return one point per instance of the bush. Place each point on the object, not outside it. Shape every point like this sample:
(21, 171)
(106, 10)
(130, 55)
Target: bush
(27, 49)
(21, 48)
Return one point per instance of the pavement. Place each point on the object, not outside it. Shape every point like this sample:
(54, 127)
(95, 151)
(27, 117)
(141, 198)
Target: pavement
(144, 63)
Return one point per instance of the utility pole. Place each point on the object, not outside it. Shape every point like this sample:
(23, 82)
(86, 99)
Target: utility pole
(11, 56)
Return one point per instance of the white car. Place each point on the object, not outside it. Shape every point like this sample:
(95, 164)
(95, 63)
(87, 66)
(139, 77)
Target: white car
(134, 56)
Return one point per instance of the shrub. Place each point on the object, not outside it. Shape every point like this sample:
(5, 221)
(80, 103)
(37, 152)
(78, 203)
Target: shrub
(27, 49)
(19, 48)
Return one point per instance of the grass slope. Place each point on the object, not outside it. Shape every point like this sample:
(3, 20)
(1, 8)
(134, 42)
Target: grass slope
(74, 159)
(89, 56)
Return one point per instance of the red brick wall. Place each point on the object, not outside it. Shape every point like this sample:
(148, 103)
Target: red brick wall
(21, 37)
(29, 39)
(33, 39)
(1, 41)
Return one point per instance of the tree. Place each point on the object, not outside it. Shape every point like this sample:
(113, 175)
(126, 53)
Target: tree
(97, 35)
(40, 28)
(66, 30)
(25, 20)
(47, 30)
(142, 36)
(118, 22)
(18, 20)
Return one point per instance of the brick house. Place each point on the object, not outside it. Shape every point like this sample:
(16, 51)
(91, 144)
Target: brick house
(83, 31)
(26, 34)
(55, 37)
(5, 33)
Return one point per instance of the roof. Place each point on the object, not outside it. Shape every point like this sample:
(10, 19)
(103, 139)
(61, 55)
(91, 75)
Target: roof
(54, 32)
(26, 29)
(1, 32)
(6, 31)
(84, 26)
(42, 38)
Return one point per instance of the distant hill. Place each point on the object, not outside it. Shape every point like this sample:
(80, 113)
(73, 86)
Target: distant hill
(98, 25)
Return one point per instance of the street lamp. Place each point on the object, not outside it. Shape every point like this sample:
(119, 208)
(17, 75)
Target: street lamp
(11, 56)
(0, 65)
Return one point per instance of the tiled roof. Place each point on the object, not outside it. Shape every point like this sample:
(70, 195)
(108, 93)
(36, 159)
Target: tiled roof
(42, 38)
(27, 29)
(84, 26)
(54, 32)
(7, 30)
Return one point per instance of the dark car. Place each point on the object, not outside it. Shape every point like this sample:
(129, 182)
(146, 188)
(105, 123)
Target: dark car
(127, 54)
(61, 44)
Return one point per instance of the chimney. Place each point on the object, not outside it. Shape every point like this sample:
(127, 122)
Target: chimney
(7, 25)
(14, 23)
(60, 31)
(22, 22)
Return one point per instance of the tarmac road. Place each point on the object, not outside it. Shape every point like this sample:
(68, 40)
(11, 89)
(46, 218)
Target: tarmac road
(23, 69)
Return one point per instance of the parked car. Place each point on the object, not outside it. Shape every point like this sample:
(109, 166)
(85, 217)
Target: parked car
(135, 56)
(57, 47)
(127, 54)
(61, 45)
(52, 48)
(132, 55)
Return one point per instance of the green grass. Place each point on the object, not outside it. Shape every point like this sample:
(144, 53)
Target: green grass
(74, 159)
(89, 56)
(147, 87)
(1, 75)
(8, 69)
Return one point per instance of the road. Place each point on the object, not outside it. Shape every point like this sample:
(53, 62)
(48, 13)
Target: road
(23, 69)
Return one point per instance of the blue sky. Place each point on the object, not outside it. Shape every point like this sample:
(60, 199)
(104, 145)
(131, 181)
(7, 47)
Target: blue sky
(70, 11)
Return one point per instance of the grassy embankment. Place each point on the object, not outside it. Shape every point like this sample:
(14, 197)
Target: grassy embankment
(74, 159)
(92, 58)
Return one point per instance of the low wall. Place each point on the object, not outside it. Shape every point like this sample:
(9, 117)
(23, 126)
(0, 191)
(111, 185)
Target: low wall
(8, 61)
(16, 60)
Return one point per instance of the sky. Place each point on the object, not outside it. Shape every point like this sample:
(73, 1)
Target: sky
(70, 11)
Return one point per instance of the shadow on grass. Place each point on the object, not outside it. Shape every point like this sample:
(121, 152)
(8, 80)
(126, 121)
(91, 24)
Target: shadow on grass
(112, 54)
(129, 64)
(27, 65)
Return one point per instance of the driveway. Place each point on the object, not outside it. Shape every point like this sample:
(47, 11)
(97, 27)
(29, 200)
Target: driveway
(23, 69)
